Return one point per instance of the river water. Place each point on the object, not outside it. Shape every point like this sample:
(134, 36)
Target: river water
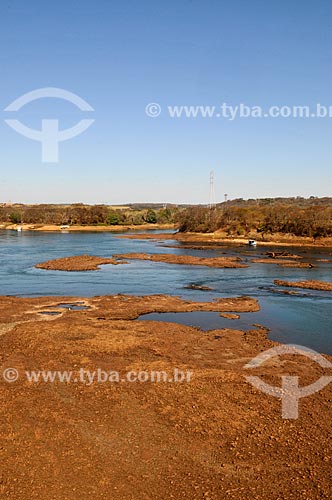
(304, 319)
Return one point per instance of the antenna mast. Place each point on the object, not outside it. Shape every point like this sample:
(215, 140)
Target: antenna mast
(212, 199)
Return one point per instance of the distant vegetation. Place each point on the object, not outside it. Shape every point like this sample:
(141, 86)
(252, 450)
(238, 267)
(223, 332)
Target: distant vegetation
(297, 216)
(87, 214)
(310, 217)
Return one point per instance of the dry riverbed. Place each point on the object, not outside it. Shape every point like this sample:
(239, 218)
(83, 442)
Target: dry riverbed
(213, 437)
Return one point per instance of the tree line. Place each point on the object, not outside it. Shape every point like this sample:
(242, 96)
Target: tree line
(83, 215)
(310, 217)
(299, 217)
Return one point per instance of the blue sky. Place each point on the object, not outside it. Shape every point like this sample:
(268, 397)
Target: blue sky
(121, 55)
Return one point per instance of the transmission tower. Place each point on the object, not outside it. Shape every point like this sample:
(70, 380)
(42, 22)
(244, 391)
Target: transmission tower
(226, 196)
(212, 199)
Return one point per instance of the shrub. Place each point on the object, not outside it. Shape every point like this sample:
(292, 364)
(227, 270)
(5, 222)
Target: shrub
(15, 217)
(150, 217)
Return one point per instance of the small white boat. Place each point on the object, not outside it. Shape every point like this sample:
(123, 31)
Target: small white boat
(252, 243)
(64, 226)
(19, 228)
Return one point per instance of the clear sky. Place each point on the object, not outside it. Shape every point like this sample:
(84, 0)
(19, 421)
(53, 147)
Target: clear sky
(121, 55)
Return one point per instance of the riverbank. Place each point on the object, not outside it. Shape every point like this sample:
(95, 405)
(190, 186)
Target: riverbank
(208, 239)
(197, 239)
(108, 228)
(211, 437)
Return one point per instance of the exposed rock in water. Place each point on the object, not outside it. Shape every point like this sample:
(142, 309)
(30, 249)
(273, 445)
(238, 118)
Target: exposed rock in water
(230, 315)
(192, 286)
(78, 263)
(188, 260)
(284, 263)
(275, 255)
(308, 284)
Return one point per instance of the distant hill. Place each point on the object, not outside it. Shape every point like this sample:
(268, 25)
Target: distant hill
(294, 201)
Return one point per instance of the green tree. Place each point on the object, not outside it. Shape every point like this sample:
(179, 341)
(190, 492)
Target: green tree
(15, 217)
(113, 218)
(150, 217)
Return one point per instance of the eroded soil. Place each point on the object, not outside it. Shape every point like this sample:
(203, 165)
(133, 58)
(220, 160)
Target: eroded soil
(214, 437)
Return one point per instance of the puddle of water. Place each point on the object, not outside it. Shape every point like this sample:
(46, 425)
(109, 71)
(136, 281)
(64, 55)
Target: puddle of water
(50, 313)
(72, 307)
